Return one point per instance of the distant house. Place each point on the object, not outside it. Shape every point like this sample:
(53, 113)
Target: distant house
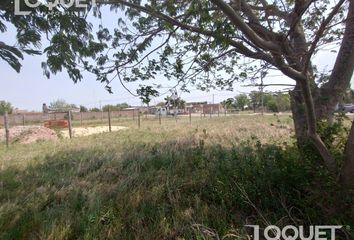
(211, 108)
(203, 107)
(195, 107)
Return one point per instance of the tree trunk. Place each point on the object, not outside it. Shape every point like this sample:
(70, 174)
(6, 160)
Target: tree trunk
(332, 91)
(347, 172)
(326, 98)
(299, 115)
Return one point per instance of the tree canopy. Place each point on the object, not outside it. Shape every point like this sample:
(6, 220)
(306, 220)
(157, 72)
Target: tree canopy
(116, 107)
(5, 107)
(61, 105)
(241, 101)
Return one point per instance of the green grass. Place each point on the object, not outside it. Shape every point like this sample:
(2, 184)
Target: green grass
(169, 181)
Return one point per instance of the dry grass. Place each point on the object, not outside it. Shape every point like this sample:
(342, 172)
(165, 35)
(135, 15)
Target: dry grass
(223, 130)
(170, 181)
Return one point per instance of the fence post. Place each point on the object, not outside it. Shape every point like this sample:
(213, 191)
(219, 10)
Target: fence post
(211, 110)
(109, 119)
(138, 119)
(7, 131)
(160, 117)
(101, 116)
(70, 126)
(134, 114)
(190, 116)
(23, 120)
(203, 111)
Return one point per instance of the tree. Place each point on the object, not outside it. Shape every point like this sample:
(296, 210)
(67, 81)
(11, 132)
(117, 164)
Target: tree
(175, 103)
(255, 100)
(66, 31)
(161, 104)
(95, 109)
(83, 108)
(5, 107)
(228, 103)
(282, 102)
(272, 105)
(61, 105)
(192, 41)
(277, 38)
(116, 107)
(121, 106)
(241, 101)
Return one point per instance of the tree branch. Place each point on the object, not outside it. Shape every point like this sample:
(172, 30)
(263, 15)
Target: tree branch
(244, 28)
(320, 32)
(299, 10)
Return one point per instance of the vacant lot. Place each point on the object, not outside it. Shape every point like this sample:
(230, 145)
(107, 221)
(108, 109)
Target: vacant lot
(177, 180)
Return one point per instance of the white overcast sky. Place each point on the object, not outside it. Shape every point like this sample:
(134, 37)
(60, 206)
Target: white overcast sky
(29, 88)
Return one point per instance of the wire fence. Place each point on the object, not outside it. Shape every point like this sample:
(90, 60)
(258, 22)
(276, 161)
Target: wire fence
(70, 120)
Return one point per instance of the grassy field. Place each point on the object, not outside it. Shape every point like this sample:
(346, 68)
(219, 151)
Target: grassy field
(177, 180)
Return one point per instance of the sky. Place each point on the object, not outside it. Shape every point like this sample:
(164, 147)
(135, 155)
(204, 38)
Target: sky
(29, 89)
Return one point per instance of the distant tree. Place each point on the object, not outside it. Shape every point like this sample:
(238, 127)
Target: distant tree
(83, 108)
(5, 107)
(282, 101)
(255, 100)
(175, 103)
(268, 99)
(116, 107)
(95, 109)
(121, 106)
(241, 101)
(161, 104)
(228, 103)
(275, 102)
(61, 105)
(107, 107)
(272, 105)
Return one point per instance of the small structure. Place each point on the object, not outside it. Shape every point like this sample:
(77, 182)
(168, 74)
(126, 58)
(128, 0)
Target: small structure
(56, 123)
(162, 111)
(62, 123)
(203, 107)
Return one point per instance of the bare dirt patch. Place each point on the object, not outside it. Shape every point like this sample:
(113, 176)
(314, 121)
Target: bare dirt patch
(29, 134)
(86, 131)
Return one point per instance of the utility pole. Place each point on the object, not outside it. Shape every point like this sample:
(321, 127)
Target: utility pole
(262, 97)
(7, 131)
